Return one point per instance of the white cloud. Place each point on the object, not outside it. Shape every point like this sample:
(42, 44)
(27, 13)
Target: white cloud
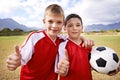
(64, 3)
(7, 6)
(97, 11)
(91, 11)
(102, 11)
(19, 19)
(30, 22)
(35, 23)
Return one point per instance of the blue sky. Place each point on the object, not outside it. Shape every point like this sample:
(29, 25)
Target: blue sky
(30, 12)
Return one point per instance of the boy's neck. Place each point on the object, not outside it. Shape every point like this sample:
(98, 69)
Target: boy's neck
(76, 40)
(53, 38)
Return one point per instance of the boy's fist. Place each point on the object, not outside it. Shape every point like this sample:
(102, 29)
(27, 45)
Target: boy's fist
(63, 65)
(14, 60)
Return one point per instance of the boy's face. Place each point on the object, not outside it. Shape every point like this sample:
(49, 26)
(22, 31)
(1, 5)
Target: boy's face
(74, 28)
(54, 24)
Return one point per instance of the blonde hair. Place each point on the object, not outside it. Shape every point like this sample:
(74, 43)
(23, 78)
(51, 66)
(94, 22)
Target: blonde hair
(55, 9)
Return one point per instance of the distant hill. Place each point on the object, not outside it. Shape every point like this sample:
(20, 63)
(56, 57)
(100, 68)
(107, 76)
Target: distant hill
(12, 24)
(99, 27)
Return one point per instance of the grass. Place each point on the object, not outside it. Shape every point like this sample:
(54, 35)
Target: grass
(7, 47)
(111, 41)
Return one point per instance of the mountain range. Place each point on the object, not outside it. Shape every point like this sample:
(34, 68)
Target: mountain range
(99, 27)
(12, 24)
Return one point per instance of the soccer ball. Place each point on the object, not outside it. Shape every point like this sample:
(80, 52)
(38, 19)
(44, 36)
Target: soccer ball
(103, 59)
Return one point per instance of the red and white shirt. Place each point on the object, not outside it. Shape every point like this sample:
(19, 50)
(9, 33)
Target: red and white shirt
(79, 61)
(38, 57)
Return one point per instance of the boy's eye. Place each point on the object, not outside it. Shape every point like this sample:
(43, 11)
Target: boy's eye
(50, 21)
(78, 25)
(69, 25)
(59, 22)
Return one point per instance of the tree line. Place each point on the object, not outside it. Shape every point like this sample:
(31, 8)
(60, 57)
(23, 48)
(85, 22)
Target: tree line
(17, 31)
(9, 32)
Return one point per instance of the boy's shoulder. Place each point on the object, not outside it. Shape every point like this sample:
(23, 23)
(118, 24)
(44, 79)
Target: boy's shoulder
(36, 34)
(64, 43)
(61, 36)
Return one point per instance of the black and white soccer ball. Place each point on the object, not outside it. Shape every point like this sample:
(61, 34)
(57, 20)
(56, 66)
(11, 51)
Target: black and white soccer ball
(104, 59)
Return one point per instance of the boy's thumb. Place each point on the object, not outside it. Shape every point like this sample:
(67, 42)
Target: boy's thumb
(66, 55)
(17, 50)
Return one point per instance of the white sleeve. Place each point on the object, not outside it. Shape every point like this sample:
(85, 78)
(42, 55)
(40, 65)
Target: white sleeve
(27, 49)
(63, 36)
(60, 54)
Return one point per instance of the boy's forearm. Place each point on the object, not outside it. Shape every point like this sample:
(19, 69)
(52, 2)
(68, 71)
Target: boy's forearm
(82, 38)
(87, 43)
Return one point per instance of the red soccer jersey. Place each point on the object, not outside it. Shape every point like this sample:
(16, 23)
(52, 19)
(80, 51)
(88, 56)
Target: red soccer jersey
(79, 61)
(38, 57)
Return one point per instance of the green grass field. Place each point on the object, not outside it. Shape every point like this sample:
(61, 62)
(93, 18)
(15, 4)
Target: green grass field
(7, 47)
(111, 41)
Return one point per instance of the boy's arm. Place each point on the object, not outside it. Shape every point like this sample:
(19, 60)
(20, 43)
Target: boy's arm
(86, 42)
(14, 60)
(62, 61)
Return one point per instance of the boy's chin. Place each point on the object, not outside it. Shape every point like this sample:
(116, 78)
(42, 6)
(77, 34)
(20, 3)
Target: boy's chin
(54, 32)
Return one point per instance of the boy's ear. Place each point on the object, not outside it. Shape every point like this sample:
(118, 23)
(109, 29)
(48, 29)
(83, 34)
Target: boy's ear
(82, 29)
(64, 28)
(44, 21)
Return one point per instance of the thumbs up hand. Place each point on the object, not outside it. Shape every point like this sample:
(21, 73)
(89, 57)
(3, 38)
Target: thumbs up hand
(63, 65)
(14, 60)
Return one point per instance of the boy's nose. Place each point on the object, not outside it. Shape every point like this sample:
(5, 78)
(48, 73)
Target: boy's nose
(54, 25)
(74, 27)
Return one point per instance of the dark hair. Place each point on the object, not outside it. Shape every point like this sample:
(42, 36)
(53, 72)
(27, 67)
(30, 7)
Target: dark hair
(73, 16)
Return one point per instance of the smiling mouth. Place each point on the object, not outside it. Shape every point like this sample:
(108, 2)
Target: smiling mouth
(74, 32)
(54, 30)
